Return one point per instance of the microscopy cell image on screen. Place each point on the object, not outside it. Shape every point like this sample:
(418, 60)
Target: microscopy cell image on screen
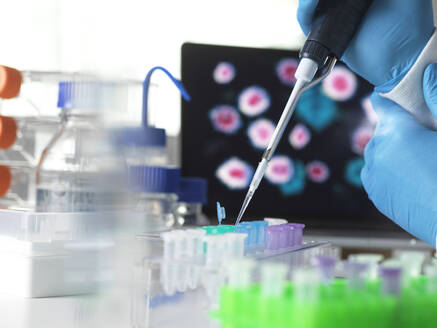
(224, 73)
(225, 119)
(238, 95)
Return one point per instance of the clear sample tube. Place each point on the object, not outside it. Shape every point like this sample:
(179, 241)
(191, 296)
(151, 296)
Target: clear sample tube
(214, 250)
(235, 245)
(357, 274)
(239, 273)
(412, 262)
(273, 279)
(168, 274)
(326, 268)
(306, 282)
(195, 253)
(431, 273)
(371, 259)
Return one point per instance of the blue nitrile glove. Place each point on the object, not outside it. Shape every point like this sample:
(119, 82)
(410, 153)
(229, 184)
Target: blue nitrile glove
(390, 39)
(400, 174)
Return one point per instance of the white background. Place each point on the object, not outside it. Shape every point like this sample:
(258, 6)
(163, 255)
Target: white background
(124, 38)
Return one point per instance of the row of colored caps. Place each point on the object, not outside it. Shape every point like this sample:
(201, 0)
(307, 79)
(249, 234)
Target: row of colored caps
(157, 179)
(262, 236)
(284, 236)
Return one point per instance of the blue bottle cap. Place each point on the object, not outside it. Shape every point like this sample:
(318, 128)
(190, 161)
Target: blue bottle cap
(80, 94)
(193, 190)
(143, 178)
(139, 137)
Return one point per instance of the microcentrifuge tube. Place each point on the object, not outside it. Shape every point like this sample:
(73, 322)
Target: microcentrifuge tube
(371, 259)
(326, 266)
(273, 279)
(390, 280)
(431, 273)
(357, 274)
(239, 273)
(306, 281)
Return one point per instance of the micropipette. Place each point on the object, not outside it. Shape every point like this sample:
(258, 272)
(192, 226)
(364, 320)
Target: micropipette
(335, 23)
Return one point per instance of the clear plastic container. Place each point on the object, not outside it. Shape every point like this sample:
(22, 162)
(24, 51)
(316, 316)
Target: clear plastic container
(17, 187)
(192, 195)
(78, 170)
(32, 93)
(23, 139)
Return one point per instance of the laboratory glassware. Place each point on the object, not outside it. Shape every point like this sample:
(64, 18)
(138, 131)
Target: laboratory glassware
(78, 169)
(192, 195)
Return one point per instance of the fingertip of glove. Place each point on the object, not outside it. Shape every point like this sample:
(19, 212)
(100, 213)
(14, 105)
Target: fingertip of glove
(430, 87)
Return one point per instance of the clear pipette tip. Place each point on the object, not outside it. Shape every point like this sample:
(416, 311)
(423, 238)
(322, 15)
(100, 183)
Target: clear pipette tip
(247, 199)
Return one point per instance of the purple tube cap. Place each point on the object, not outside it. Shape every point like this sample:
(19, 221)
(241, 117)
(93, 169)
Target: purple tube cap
(390, 272)
(324, 261)
(297, 225)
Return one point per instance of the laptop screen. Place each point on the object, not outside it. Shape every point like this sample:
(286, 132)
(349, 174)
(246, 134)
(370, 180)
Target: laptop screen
(238, 95)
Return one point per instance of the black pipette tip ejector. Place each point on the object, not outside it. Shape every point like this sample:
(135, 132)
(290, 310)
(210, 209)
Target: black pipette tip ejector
(335, 24)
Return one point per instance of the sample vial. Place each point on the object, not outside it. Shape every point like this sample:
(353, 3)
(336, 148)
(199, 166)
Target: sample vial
(142, 145)
(78, 170)
(153, 197)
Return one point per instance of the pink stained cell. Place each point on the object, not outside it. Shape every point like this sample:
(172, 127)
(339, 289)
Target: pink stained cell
(234, 173)
(369, 110)
(299, 137)
(224, 73)
(317, 171)
(280, 170)
(360, 138)
(260, 132)
(340, 84)
(286, 69)
(225, 119)
(253, 101)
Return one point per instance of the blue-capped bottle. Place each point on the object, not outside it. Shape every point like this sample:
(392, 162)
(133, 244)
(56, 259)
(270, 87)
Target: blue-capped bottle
(192, 196)
(78, 169)
(153, 196)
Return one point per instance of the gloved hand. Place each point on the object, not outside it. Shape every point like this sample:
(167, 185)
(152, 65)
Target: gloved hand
(400, 174)
(390, 39)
